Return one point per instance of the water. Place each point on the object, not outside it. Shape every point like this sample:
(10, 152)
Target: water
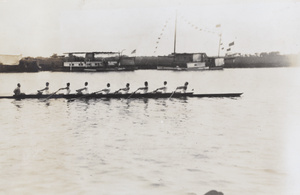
(246, 145)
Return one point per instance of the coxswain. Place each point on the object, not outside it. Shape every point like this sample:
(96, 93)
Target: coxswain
(145, 88)
(126, 89)
(83, 90)
(161, 89)
(17, 90)
(67, 88)
(183, 88)
(106, 90)
(46, 89)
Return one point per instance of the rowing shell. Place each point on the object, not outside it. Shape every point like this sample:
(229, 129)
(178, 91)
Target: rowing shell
(119, 96)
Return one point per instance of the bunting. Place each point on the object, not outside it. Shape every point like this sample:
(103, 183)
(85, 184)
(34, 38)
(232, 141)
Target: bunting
(161, 34)
(192, 25)
(231, 44)
(196, 27)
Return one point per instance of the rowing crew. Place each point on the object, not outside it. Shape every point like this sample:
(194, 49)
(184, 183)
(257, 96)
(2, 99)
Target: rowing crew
(106, 90)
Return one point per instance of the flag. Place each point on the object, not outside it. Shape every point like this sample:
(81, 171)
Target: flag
(218, 25)
(228, 49)
(231, 44)
(133, 51)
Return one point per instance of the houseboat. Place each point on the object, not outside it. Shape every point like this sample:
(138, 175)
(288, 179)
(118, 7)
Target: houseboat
(97, 62)
(194, 62)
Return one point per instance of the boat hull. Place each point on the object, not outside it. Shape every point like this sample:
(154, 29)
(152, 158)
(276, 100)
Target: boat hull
(123, 96)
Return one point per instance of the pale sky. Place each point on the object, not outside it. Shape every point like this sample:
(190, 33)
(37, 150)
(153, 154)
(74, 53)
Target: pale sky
(43, 27)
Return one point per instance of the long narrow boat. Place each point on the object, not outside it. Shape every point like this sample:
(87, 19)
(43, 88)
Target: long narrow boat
(123, 96)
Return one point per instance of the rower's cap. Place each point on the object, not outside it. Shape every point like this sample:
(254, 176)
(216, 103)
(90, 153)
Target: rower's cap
(47, 83)
(165, 82)
(108, 85)
(68, 84)
(186, 83)
(146, 83)
(19, 85)
(86, 83)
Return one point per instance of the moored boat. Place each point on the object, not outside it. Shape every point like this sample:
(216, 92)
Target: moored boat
(97, 62)
(194, 62)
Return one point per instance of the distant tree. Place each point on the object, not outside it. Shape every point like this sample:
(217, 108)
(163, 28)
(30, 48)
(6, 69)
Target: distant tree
(263, 54)
(274, 53)
(54, 55)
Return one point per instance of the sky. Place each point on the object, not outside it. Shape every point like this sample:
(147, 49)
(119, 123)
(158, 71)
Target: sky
(44, 27)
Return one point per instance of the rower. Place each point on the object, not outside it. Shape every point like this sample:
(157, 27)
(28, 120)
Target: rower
(17, 90)
(106, 90)
(83, 90)
(161, 89)
(126, 89)
(145, 89)
(183, 88)
(46, 89)
(66, 88)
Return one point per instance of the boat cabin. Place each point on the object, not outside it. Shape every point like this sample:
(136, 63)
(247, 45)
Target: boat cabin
(198, 61)
(91, 59)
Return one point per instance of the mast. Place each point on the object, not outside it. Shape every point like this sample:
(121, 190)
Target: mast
(175, 36)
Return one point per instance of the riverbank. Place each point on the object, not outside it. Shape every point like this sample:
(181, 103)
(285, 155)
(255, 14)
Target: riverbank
(56, 63)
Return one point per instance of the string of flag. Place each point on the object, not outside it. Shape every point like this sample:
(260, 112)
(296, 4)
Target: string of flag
(161, 34)
(230, 46)
(198, 28)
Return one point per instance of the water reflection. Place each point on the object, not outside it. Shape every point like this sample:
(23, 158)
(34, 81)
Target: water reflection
(17, 103)
(146, 100)
(106, 101)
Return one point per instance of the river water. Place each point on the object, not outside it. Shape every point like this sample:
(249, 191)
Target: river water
(247, 145)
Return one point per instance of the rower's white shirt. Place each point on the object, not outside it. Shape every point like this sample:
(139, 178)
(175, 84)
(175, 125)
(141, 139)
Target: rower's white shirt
(68, 91)
(125, 91)
(163, 89)
(145, 90)
(106, 90)
(182, 90)
(85, 91)
(46, 91)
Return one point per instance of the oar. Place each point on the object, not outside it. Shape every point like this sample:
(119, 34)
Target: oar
(172, 94)
(132, 94)
(85, 95)
(117, 91)
(51, 95)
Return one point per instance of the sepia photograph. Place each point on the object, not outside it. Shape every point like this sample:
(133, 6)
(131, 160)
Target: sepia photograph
(150, 97)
